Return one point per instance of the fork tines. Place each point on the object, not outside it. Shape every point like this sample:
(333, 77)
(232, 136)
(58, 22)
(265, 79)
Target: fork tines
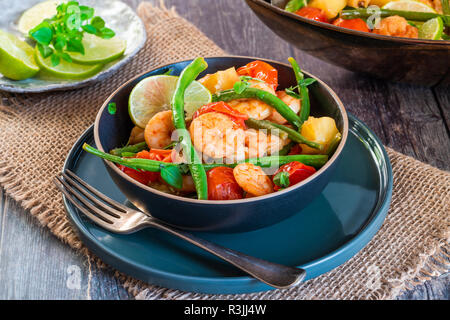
(95, 205)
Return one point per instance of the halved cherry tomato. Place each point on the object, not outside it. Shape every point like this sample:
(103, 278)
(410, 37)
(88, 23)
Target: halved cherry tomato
(354, 24)
(297, 172)
(313, 14)
(222, 107)
(222, 185)
(260, 70)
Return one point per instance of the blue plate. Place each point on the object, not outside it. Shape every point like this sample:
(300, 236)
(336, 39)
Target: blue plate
(332, 229)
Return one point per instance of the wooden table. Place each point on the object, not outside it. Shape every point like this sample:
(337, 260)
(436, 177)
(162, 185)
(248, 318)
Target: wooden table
(410, 119)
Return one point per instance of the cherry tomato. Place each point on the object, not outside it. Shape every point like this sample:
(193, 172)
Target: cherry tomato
(354, 24)
(222, 185)
(145, 177)
(313, 14)
(222, 107)
(260, 70)
(297, 172)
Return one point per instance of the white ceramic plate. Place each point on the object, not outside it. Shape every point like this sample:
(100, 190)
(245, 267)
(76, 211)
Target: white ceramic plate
(118, 16)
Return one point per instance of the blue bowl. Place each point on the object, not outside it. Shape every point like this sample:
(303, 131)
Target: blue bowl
(111, 131)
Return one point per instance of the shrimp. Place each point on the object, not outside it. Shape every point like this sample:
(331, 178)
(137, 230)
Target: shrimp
(252, 179)
(258, 143)
(293, 104)
(396, 26)
(136, 135)
(159, 129)
(217, 136)
(254, 108)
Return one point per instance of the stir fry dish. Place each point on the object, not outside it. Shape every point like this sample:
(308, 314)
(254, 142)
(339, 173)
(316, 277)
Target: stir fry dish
(232, 134)
(424, 19)
(68, 41)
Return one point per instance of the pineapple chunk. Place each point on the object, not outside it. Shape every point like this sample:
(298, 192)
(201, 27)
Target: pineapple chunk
(321, 130)
(330, 7)
(221, 80)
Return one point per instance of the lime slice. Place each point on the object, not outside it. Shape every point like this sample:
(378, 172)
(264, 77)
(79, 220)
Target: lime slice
(16, 58)
(98, 50)
(408, 5)
(432, 29)
(66, 70)
(33, 16)
(154, 94)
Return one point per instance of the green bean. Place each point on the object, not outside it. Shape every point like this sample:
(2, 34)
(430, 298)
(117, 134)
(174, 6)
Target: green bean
(188, 75)
(266, 97)
(263, 124)
(333, 144)
(134, 163)
(316, 161)
(408, 15)
(135, 148)
(292, 134)
(303, 90)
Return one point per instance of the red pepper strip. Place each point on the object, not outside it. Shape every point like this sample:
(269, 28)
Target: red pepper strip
(297, 172)
(260, 70)
(221, 107)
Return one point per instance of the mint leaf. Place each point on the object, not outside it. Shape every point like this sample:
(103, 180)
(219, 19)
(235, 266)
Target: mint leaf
(106, 33)
(45, 51)
(294, 5)
(66, 57)
(172, 175)
(112, 108)
(98, 23)
(43, 35)
(240, 86)
(89, 28)
(86, 12)
(55, 59)
(75, 45)
(306, 82)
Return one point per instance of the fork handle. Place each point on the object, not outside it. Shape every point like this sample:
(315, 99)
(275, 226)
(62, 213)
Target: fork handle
(273, 274)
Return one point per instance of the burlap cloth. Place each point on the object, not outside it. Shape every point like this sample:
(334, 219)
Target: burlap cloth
(37, 131)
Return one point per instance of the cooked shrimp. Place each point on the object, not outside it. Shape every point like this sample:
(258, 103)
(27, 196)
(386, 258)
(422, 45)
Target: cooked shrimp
(217, 136)
(293, 104)
(396, 26)
(259, 143)
(254, 108)
(136, 135)
(252, 179)
(159, 129)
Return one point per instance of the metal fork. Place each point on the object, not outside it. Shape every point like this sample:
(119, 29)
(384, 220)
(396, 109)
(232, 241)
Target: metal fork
(117, 218)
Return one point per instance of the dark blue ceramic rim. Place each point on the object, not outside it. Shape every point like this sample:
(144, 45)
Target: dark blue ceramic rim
(348, 31)
(244, 284)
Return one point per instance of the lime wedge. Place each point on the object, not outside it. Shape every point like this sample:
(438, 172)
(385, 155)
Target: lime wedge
(408, 5)
(154, 94)
(33, 16)
(98, 50)
(432, 29)
(16, 58)
(66, 70)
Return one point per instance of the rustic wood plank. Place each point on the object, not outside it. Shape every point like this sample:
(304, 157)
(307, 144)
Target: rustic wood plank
(36, 265)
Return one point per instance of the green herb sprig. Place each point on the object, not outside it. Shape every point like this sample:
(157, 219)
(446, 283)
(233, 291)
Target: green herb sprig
(63, 33)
